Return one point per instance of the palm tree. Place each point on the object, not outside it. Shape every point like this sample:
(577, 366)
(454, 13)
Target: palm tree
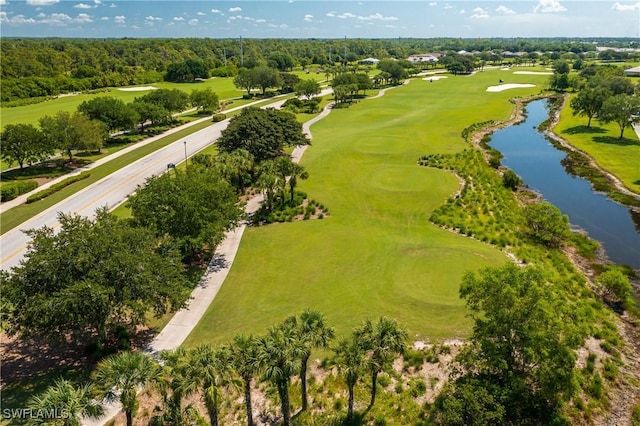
(244, 359)
(349, 357)
(174, 384)
(236, 167)
(69, 402)
(210, 369)
(313, 332)
(382, 343)
(278, 353)
(121, 376)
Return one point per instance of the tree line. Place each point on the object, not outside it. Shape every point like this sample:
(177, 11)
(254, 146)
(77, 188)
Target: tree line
(47, 67)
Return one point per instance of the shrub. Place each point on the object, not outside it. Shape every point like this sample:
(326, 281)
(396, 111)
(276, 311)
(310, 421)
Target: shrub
(57, 187)
(218, 117)
(12, 189)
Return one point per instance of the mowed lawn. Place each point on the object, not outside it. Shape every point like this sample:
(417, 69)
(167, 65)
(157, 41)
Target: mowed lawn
(619, 157)
(377, 253)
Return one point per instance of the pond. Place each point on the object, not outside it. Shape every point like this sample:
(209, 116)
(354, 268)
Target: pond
(528, 153)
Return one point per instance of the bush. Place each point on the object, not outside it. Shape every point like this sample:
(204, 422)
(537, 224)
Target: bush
(57, 187)
(12, 189)
(218, 117)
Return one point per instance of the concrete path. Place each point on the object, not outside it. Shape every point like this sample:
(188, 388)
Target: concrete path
(184, 321)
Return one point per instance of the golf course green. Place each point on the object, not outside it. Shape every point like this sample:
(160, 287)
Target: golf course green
(376, 253)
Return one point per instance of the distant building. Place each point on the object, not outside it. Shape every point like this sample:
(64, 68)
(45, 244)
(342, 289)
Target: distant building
(632, 72)
(369, 61)
(424, 57)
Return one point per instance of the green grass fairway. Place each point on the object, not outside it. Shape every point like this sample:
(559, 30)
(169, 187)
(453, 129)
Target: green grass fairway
(377, 253)
(619, 157)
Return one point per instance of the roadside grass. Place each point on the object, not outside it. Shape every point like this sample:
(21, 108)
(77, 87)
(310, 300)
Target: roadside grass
(376, 253)
(602, 144)
(17, 215)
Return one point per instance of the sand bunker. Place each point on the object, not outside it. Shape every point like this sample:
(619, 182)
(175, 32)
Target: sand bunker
(533, 72)
(502, 87)
(137, 89)
(435, 77)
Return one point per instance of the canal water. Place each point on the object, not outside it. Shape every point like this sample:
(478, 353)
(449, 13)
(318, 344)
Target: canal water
(528, 153)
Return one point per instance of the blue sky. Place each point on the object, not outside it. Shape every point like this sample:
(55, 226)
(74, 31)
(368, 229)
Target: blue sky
(319, 18)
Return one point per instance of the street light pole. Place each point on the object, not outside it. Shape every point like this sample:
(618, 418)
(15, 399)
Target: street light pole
(185, 154)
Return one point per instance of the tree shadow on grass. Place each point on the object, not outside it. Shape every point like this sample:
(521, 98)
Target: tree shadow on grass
(615, 141)
(577, 130)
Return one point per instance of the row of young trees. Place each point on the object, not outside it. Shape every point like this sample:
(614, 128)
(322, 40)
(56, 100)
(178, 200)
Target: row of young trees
(217, 373)
(93, 122)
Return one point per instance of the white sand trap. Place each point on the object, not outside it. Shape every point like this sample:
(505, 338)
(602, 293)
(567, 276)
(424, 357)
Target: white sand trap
(505, 69)
(533, 72)
(137, 89)
(435, 77)
(507, 87)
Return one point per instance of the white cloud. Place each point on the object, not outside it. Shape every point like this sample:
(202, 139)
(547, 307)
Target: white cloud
(216, 11)
(549, 6)
(283, 26)
(112, 5)
(62, 19)
(503, 10)
(346, 15)
(193, 22)
(41, 2)
(119, 19)
(83, 18)
(376, 17)
(178, 19)
(150, 20)
(97, 2)
(308, 18)
(448, 6)
(433, 3)
(626, 7)
(104, 18)
(83, 6)
(480, 13)
(3, 2)
(235, 9)
(260, 21)
(331, 14)
(462, 12)
(200, 13)
(17, 19)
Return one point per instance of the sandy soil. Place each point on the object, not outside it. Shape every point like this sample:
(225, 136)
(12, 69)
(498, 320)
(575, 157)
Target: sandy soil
(435, 77)
(137, 89)
(533, 72)
(508, 86)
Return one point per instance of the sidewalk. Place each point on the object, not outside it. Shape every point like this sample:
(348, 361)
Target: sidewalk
(184, 321)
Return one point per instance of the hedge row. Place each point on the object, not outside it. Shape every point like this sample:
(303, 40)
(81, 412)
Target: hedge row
(12, 189)
(57, 187)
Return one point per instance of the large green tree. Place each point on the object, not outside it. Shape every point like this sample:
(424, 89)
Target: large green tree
(266, 77)
(621, 109)
(210, 371)
(588, 102)
(195, 207)
(264, 133)
(150, 112)
(204, 99)
(521, 350)
(349, 357)
(92, 276)
(119, 377)
(382, 343)
(173, 100)
(113, 112)
(23, 143)
(69, 132)
(546, 223)
(307, 88)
